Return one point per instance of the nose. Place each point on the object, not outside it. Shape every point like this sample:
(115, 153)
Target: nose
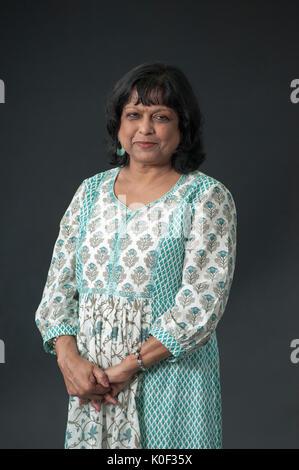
(145, 125)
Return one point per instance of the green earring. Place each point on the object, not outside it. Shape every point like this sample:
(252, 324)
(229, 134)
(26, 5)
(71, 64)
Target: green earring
(120, 152)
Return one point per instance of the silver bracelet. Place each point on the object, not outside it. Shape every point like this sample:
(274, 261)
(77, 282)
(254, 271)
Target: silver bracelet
(53, 340)
(141, 365)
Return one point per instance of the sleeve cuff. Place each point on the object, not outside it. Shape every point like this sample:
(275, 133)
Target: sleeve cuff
(55, 331)
(169, 342)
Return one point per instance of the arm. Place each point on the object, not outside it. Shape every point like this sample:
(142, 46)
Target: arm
(152, 351)
(207, 275)
(57, 313)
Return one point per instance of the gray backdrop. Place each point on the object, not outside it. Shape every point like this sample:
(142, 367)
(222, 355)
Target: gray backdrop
(58, 60)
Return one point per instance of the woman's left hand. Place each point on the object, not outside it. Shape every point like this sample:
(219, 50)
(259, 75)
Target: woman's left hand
(119, 373)
(120, 376)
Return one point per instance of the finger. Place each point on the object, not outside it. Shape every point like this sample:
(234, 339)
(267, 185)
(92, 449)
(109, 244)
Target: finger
(83, 401)
(95, 396)
(101, 376)
(96, 405)
(110, 399)
(99, 389)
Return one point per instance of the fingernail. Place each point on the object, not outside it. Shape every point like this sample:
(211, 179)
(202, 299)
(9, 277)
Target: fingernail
(107, 384)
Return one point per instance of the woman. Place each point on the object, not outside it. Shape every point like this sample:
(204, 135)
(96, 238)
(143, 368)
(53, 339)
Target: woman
(140, 276)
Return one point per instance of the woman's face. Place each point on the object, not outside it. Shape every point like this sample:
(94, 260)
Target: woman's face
(157, 124)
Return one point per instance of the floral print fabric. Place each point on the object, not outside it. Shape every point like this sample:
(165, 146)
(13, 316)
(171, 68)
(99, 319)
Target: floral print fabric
(119, 275)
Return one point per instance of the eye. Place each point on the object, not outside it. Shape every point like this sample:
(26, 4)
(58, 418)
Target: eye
(131, 114)
(164, 118)
(160, 117)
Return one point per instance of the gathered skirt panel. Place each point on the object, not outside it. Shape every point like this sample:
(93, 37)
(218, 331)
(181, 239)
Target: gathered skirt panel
(173, 405)
(110, 328)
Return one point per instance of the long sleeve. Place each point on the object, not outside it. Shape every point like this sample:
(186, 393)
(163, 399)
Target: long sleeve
(57, 313)
(208, 269)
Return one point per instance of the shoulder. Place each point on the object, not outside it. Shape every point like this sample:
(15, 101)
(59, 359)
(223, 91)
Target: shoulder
(96, 178)
(207, 187)
(100, 176)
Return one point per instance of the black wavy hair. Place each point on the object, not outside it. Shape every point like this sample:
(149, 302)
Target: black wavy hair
(177, 94)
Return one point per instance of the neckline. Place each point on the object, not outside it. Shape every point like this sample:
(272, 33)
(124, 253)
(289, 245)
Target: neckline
(112, 194)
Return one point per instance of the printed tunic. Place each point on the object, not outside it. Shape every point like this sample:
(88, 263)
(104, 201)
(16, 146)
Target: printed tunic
(119, 275)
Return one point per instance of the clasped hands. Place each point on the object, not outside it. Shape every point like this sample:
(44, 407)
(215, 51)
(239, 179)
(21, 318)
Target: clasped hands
(91, 383)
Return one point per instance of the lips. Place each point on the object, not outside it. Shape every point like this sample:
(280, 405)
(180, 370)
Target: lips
(145, 144)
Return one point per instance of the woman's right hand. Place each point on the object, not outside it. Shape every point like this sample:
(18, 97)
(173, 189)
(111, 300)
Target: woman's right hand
(79, 374)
